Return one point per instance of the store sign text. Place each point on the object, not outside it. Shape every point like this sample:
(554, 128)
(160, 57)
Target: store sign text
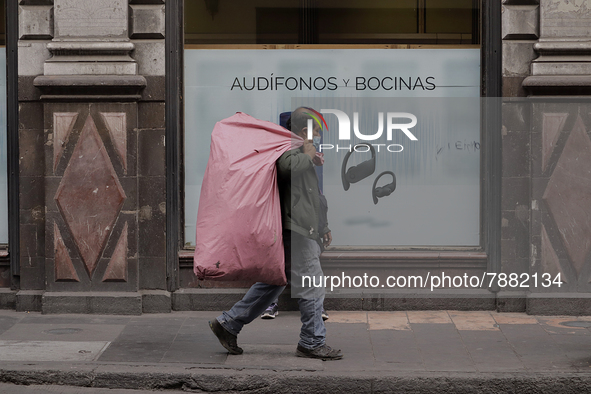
(332, 83)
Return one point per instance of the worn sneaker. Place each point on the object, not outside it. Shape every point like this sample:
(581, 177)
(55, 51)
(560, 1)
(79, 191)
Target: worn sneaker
(226, 338)
(271, 312)
(324, 315)
(324, 352)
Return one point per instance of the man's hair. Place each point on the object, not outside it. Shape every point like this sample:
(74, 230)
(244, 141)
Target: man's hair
(298, 120)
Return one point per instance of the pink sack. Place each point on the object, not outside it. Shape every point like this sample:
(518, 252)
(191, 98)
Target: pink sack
(239, 217)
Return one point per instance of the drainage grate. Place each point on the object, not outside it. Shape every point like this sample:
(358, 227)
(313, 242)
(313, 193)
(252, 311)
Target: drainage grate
(583, 324)
(63, 331)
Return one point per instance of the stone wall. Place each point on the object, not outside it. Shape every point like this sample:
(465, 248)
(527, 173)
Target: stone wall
(92, 171)
(92, 157)
(546, 187)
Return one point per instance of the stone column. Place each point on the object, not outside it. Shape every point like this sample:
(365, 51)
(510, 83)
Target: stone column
(520, 31)
(563, 66)
(561, 159)
(92, 94)
(547, 154)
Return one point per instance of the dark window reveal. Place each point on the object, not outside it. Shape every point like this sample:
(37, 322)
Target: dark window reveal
(332, 22)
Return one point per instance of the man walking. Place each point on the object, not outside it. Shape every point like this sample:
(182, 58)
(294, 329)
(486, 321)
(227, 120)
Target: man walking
(300, 210)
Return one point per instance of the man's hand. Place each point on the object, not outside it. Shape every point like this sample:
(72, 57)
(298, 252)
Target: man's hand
(309, 149)
(326, 239)
(318, 159)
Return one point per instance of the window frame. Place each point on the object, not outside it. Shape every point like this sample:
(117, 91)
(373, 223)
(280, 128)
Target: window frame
(490, 213)
(12, 143)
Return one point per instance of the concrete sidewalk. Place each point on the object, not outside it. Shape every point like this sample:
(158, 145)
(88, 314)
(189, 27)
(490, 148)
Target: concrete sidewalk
(415, 352)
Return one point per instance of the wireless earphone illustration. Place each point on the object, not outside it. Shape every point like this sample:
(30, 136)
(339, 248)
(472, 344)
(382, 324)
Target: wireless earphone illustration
(360, 171)
(383, 191)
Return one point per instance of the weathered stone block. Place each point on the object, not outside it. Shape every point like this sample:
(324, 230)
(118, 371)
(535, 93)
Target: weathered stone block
(7, 299)
(571, 304)
(562, 68)
(29, 300)
(90, 68)
(517, 57)
(512, 87)
(152, 153)
(560, 18)
(150, 57)
(461, 301)
(511, 301)
(35, 22)
(156, 301)
(520, 22)
(515, 193)
(516, 154)
(82, 18)
(32, 273)
(516, 116)
(147, 21)
(206, 299)
(151, 115)
(31, 151)
(108, 303)
(152, 273)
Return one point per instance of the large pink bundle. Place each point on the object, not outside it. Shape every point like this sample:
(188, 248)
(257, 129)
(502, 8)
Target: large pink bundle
(239, 216)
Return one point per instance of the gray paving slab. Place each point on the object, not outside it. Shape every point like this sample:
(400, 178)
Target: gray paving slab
(536, 348)
(490, 351)
(164, 319)
(195, 343)
(353, 340)
(442, 348)
(283, 330)
(189, 352)
(63, 332)
(396, 350)
(576, 349)
(275, 357)
(138, 342)
(51, 351)
(7, 322)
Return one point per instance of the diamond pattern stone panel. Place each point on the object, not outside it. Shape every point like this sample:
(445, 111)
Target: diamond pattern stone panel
(116, 124)
(117, 268)
(550, 261)
(90, 195)
(63, 123)
(568, 195)
(64, 269)
(552, 125)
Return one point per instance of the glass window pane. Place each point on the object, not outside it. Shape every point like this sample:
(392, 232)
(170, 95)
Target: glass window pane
(230, 66)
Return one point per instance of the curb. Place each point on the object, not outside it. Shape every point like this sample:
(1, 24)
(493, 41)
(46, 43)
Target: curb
(309, 382)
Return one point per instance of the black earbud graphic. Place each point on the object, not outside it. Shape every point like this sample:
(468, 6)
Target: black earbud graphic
(383, 191)
(360, 171)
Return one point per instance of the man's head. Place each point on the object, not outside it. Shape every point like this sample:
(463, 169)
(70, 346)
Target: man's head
(298, 122)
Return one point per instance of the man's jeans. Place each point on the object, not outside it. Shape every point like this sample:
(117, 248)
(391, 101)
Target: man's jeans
(302, 257)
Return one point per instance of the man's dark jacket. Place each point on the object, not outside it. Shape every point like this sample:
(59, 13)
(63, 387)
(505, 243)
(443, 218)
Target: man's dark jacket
(298, 189)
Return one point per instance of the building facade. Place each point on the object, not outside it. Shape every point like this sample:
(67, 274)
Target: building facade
(110, 104)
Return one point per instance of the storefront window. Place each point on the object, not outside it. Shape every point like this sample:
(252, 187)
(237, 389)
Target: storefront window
(265, 58)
